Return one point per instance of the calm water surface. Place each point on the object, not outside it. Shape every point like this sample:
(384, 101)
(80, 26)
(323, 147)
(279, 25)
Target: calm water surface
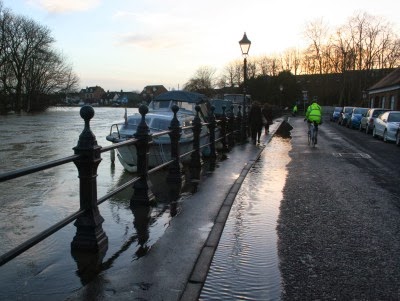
(34, 202)
(245, 265)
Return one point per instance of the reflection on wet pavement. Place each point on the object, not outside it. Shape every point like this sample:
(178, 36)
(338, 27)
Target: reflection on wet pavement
(245, 265)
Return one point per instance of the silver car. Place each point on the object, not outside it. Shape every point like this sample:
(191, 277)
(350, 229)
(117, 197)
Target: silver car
(387, 125)
(367, 121)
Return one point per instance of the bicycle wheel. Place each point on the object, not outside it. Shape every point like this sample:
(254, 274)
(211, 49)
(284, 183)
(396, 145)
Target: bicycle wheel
(314, 136)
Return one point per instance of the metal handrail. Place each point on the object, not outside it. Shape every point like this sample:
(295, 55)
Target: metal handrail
(35, 168)
(78, 158)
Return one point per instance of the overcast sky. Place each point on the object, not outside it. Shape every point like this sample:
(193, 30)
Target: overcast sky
(128, 44)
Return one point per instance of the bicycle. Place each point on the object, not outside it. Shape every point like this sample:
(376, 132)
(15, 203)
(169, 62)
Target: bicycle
(312, 134)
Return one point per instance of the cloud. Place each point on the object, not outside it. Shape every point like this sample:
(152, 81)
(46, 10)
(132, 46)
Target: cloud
(152, 30)
(57, 6)
(146, 41)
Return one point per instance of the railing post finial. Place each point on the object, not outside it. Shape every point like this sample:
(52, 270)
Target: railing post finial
(89, 232)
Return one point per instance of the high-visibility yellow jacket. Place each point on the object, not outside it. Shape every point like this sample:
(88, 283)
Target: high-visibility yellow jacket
(314, 113)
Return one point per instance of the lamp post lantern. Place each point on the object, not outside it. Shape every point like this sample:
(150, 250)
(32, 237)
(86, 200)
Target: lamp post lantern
(245, 47)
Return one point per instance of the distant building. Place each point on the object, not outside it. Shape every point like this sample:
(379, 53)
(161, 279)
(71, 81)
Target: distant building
(92, 94)
(386, 92)
(110, 98)
(149, 92)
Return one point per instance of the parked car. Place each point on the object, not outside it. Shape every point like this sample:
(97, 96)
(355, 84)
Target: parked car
(398, 137)
(367, 121)
(336, 113)
(355, 117)
(345, 115)
(386, 125)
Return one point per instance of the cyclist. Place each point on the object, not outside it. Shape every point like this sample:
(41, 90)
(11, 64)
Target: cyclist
(314, 114)
(294, 110)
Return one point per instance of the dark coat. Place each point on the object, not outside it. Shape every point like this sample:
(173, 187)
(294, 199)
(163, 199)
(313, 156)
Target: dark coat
(267, 112)
(255, 116)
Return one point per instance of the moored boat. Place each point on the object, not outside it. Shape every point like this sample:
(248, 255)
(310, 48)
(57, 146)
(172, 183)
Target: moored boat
(159, 119)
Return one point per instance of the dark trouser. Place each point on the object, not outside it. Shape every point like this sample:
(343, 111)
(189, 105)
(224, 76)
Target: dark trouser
(256, 132)
(266, 127)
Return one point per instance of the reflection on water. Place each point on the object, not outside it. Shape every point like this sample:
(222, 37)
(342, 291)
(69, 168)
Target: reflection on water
(33, 203)
(245, 264)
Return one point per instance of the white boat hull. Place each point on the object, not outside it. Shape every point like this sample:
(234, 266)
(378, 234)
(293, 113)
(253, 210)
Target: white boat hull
(159, 153)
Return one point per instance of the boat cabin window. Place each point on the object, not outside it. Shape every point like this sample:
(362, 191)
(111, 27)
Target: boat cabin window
(185, 105)
(160, 124)
(134, 121)
(159, 105)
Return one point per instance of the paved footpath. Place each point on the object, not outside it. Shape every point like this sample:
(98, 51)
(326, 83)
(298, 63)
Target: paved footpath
(176, 266)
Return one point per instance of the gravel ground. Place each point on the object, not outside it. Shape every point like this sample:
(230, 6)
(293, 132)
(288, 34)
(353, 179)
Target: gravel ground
(338, 233)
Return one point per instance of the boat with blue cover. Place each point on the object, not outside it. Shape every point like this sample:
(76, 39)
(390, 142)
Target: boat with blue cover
(159, 119)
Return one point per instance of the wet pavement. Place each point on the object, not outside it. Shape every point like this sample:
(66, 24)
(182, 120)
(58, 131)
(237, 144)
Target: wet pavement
(245, 265)
(176, 267)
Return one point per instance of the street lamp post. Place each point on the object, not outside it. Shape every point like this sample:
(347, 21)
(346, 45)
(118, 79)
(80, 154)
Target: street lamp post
(364, 97)
(305, 99)
(281, 96)
(245, 47)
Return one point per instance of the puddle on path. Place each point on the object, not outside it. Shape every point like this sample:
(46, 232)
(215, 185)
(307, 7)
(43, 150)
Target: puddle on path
(245, 265)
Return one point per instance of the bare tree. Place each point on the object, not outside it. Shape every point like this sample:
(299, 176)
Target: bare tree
(203, 81)
(275, 66)
(316, 31)
(264, 65)
(48, 74)
(230, 74)
(24, 39)
(251, 68)
(6, 75)
(29, 67)
(291, 60)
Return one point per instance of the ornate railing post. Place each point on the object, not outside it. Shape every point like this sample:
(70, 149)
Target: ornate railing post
(89, 232)
(231, 128)
(211, 128)
(175, 174)
(195, 161)
(142, 193)
(224, 126)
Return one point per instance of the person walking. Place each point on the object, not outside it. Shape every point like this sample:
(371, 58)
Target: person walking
(255, 121)
(267, 117)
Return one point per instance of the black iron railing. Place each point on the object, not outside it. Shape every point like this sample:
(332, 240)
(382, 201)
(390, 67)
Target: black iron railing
(90, 236)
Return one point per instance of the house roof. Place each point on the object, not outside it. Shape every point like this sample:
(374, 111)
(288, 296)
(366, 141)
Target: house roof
(390, 80)
(91, 89)
(154, 89)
